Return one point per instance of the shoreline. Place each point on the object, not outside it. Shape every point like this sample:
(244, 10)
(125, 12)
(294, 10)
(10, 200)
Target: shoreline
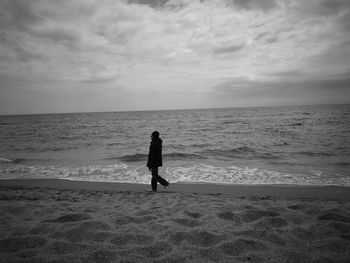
(244, 190)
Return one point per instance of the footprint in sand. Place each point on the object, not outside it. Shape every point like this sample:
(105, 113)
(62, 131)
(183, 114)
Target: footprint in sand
(42, 229)
(266, 235)
(313, 232)
(271, 222)
(253, 215)
(28, 253)
(58, 247)
(76, 234)
(126, 239)
(186, 222)
(192, 214)
(339, 227)
(332, 245)
(196, 238)
(330, 216)
(228, 216)
(241, 246)
(124, 220)
(297, 207)
(14, 244)
(210, 254)
(70, 218)
(102, 256)
(346, 237)
(94, 225)
(155, 250)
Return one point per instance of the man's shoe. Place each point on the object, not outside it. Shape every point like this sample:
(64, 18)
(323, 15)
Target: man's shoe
(166, 187)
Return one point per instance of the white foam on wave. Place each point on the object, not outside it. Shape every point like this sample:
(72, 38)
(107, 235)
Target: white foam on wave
(200, 173)
(108, 173)
(232, 175)
(236, 175)
(4, 160)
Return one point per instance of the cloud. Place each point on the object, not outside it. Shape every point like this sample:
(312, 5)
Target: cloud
(28, 56)
(18, 14)
(58, 35)
(321, 7)
(100, 79)
(151, 3)
(264, 5)
(291, 90)
(344, 20)
(260, 46)
(229, 48)
(296, 73)
(10, 82)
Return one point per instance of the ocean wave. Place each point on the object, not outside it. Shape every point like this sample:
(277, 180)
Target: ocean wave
(8, 123)
(183, 156)
(41, 149)
(296, 124)
(240, 152)
(200, 173)
(15, 161)
(113, 144)
(316, 153)
(342, 164)
(234, 152)
(139, 157)
(4, 160)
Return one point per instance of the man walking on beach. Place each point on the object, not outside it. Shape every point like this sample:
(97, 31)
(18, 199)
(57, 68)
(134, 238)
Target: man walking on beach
(155, 161)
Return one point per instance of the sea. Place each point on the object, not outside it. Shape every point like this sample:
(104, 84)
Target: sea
(297, 145)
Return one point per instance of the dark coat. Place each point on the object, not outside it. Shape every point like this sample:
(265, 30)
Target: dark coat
(155, 154)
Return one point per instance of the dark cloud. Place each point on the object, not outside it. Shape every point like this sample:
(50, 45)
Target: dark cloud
(336, 56)
(24, 55)
(271, 40)
(327, 90)
(162, 4)
(344, 21)
(151, 3)
(264, 5)
(18, 14)
(99, 80)
(20, 51)
(331, 85)
(35, 20)
(267, 37)
(17, 82)
(21, 14)
(244, 92)
(262, 35)
(322, 7)
(59, 35)
(227, 49)
(288, 74)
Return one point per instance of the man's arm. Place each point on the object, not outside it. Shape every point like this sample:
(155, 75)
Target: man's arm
(150, 162)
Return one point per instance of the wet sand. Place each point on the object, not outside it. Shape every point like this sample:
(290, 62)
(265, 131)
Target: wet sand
(70, 221)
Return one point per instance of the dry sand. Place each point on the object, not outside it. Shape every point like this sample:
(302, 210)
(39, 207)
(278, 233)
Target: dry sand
(65, 221)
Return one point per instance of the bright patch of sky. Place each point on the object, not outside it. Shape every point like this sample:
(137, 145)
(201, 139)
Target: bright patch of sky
(107, 55)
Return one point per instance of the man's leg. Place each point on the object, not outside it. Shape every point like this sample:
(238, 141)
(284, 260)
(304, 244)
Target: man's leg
(154, 178)
(161, 180)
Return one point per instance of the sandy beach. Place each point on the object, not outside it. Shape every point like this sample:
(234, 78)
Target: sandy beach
(70, 221)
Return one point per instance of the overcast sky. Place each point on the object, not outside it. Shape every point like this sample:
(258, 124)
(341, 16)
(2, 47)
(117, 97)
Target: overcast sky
(109, 55)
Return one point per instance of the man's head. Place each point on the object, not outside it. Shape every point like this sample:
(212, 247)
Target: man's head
(155, 135)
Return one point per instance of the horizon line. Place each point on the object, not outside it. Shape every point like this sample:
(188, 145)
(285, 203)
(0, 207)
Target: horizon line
(178, 109)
